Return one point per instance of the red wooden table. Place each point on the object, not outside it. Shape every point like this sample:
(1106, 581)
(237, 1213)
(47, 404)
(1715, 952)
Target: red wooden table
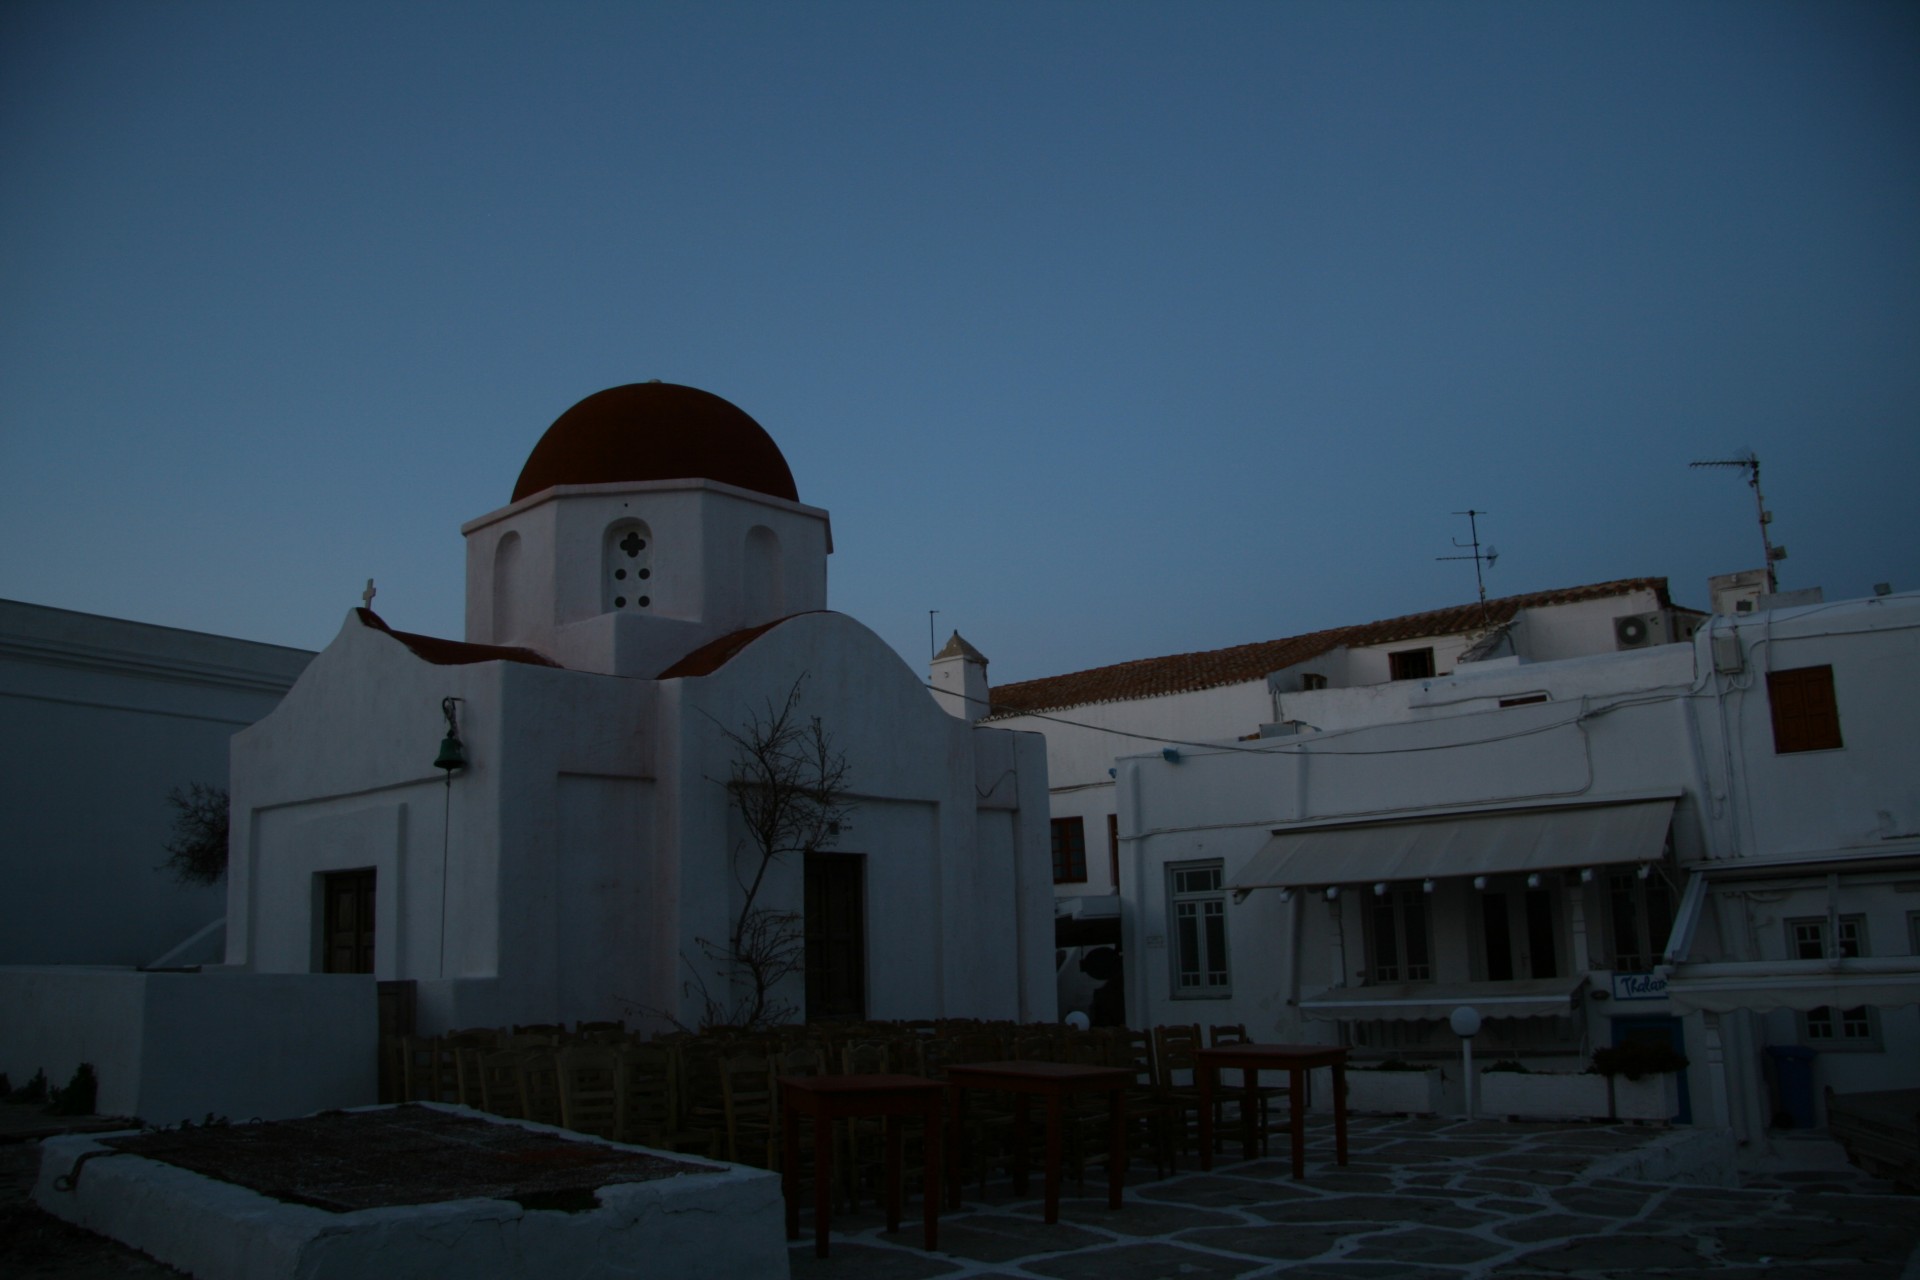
(1052, 1081)
(829, 1098)
(1250, 1059)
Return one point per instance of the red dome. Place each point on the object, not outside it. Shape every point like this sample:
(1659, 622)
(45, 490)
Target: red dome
(656, 431)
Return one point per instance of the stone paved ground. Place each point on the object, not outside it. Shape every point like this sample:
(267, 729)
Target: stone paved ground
(1419, 1200)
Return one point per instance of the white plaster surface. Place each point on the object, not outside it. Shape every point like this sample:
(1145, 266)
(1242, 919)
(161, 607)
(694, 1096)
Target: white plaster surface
(103, 718)
(168, 1047)
(722, 1225)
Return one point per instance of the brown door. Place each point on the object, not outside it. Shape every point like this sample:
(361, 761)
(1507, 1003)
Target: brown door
(836, 925)
(348, 921)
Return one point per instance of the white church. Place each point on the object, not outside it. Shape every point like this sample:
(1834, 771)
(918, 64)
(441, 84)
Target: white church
(653, 585)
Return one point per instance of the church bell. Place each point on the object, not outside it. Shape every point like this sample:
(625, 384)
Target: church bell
(452, 755)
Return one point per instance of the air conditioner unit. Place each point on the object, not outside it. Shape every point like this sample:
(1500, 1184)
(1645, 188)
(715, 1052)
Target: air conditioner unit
(1639, 630)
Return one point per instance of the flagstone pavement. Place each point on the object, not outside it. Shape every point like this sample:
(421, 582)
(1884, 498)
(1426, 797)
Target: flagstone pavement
(1419, 1199)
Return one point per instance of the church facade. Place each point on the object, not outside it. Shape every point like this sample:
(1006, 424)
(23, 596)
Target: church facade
(653, 592)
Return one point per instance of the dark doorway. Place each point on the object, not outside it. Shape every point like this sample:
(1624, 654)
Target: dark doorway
(836, 927)
(347, 940)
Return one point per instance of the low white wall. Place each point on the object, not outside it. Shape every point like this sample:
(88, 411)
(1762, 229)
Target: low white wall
(169, 1047)
(724, 1224)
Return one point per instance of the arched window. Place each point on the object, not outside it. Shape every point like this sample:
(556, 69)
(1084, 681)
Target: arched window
(626, 567)
(506, 572)
(760, 573)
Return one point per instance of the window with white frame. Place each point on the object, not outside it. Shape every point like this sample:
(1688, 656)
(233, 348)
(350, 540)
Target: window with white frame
(1197, 901)
(1639, 915)
(1827, 1027)
(1398, 930)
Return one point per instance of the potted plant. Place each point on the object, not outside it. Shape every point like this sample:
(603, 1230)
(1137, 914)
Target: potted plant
(1642, 1076)
(1396, 1087)
(1511, 1089)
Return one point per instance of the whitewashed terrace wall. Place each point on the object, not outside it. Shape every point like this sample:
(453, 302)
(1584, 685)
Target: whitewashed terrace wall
(168, 1047)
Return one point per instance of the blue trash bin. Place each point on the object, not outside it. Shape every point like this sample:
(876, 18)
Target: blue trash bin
(1793, 1081)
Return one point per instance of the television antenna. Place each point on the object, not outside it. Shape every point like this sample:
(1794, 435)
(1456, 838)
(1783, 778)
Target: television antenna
(1749, 461)
(1479, 555)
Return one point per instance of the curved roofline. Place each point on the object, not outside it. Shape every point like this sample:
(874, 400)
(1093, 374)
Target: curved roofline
(714, 654)
(454, 653)
(656, 430)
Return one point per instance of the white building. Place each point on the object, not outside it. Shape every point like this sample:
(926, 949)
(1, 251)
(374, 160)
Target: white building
(1090, 717)
(653, 584)
(1357, 674)
(1520, 836)
(103, 719)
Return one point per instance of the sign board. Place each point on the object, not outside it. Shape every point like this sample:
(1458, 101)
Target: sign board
(1640, 986)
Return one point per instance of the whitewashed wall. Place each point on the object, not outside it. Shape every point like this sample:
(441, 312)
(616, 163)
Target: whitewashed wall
(103, 718)
(589, 848)
(1081, 754)
(950, 914)
(168, 1047)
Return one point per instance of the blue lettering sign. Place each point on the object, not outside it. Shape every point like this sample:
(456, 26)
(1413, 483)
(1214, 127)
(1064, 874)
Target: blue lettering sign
(1639, 986)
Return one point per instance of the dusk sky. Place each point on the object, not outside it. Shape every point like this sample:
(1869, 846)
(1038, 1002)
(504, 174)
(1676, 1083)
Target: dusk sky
(1107, 330)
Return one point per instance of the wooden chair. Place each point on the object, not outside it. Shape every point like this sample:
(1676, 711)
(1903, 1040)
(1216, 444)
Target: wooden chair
(613, 1033)
(801, 1058)
(430, 1070)
(1148, 1122)
(702, 1101)
(467, 1048)
(499, 1072)
(1264, 1092)
(589, 1084)
(866, 1056)
(1085, 1114)
(863, 1138)
(1178, 1083)
(649, 1111)
(748, 1096)
(540, 1086)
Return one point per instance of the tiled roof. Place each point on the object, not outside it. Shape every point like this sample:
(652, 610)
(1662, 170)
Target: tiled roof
(1187, 672)
(454, 653)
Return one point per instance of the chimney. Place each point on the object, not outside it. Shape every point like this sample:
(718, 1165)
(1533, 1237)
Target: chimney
(960, 680)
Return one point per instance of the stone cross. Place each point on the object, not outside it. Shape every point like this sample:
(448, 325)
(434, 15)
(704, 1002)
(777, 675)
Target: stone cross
(366, 597)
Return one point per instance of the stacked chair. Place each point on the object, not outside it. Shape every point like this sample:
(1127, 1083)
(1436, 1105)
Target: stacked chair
(715, 1094)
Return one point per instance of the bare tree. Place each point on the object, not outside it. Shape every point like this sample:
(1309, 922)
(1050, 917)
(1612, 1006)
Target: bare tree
(788, 784)
(197, 853)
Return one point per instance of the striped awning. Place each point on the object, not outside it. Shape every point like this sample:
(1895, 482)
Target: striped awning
(1486, 843)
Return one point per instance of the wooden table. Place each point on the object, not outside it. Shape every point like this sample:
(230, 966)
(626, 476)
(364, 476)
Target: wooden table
(1250, 1059)
(1052, 1081)
(830, 1098)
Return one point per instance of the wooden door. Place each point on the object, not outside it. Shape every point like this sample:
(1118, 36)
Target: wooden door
(836, 930)
(347, 945)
